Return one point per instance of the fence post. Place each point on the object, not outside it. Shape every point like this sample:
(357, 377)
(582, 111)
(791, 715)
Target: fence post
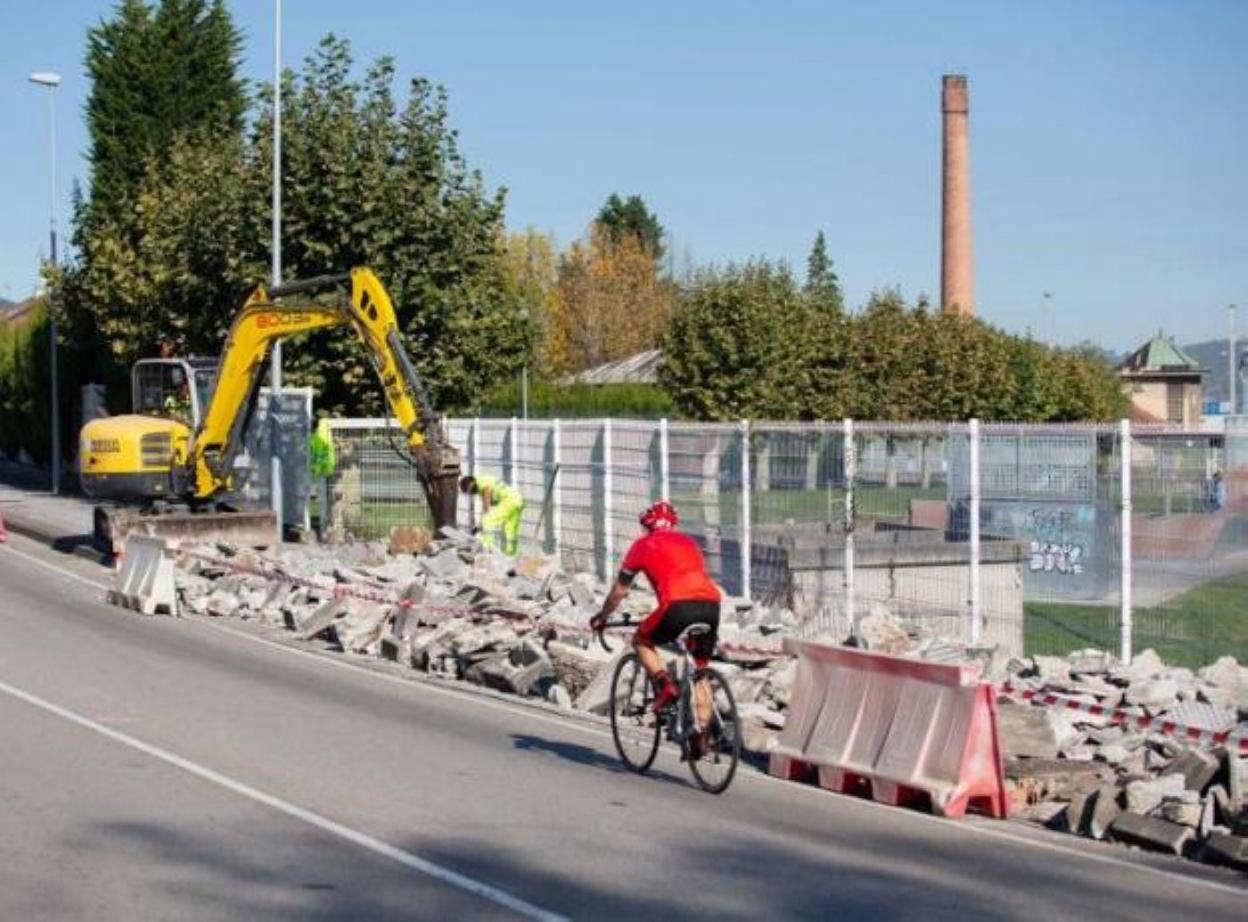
(746, 531)
(474, 464)
(1125, 617)
(608, 513)
(851, 463)
(975, 603)
(665, 470)
(556, 513)
(513, 434)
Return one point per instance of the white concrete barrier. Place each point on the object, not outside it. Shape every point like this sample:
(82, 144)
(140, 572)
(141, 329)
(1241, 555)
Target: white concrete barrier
(145, 580)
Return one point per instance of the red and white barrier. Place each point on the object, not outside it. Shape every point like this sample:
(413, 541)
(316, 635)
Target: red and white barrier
(4, 534)
(1130, 719)
(907, 729)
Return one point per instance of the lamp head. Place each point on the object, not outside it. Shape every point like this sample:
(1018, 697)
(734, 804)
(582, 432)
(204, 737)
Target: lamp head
(46, 78)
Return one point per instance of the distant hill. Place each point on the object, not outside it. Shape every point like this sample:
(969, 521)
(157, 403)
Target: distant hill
(1212, 357)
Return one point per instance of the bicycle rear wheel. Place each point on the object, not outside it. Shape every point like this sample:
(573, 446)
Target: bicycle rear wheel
(717, 763)
(634, 725)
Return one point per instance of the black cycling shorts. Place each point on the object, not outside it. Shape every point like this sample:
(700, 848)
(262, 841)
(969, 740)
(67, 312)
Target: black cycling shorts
(665, 625)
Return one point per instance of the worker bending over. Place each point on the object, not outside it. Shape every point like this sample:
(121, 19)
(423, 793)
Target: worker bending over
(503, 506)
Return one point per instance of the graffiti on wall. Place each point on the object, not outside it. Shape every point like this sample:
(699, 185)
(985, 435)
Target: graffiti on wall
(1056, 542)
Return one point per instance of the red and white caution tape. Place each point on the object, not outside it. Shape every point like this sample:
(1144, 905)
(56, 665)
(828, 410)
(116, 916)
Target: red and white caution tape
(1160, 725)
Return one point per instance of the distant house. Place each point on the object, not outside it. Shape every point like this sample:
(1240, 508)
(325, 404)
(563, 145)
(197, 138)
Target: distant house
(640, 368)
(1163, 382)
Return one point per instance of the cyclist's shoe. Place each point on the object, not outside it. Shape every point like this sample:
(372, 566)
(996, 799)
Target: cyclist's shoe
(697, 746)
(665, 692)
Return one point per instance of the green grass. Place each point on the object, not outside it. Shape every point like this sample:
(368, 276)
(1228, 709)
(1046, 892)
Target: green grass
(1192, 629)
(775, 507)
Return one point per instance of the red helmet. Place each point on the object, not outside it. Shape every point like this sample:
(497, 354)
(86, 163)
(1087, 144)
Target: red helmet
(660, 515)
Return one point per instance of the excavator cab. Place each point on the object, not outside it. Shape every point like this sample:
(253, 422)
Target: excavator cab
(177, 389)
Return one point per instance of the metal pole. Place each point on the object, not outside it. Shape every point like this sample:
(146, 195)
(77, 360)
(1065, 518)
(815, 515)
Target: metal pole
(275, 363)
(474, 464)
(975, 604)
(56, 384)
(557, 511)
(514, 437)
(665, 470)
(524, 392)
(608, 526)
(746, 530)
(1231, 364)
(851, 462)
(1124, 453)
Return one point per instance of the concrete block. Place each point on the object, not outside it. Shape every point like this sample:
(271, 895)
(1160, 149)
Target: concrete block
(1183, 814)
(501, 673)
(1051, 668)
(1158, 694)
(1198, 768)
(1152, 833)
(361, 625)
(1105, 810)
(575, 667)
(1079, 811)
(321, 620)
(595, 698)
(1145, 796)
(1225, 849)
(557, 695)
(1026, 731)
(483, 637)
(579, 595)
(445, 565)
(1236, 774)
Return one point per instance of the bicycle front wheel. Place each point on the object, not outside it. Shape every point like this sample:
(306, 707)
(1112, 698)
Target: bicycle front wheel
(720, 742)
(634, 725)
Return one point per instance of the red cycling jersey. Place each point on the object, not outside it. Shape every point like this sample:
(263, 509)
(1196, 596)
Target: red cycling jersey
(674, 566)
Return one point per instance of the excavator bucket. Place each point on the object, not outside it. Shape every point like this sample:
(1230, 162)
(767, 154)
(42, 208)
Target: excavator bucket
(251, 528)
(439, 466)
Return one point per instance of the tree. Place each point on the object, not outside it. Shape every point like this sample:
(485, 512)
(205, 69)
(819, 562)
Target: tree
(822, 286)
(624, 218)
(609, 303)
(156, 73)
(736, 346)
(532, 275)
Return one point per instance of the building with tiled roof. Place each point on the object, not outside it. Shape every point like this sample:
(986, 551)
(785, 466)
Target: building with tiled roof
(1163, 382)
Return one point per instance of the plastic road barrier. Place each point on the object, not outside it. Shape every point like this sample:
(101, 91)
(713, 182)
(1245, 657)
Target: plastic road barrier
(908, 730)
(145, 580)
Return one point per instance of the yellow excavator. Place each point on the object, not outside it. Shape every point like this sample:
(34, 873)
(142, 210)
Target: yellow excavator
(168, 468)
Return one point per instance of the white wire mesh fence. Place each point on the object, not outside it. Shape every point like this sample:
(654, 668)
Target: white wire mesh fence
(1003, 534)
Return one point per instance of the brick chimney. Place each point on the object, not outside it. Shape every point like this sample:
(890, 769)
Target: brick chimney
(957, 288)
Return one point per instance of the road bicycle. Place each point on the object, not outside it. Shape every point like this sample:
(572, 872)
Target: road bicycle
(711, 751)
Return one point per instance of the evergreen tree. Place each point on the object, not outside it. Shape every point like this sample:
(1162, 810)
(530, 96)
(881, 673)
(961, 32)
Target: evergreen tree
(822, 286)
(631, 217)
(156, 72)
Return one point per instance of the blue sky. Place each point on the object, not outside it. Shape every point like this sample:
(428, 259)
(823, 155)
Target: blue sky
(1108, 136)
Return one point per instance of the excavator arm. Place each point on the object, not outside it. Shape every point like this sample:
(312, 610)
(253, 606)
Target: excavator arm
(272, 314)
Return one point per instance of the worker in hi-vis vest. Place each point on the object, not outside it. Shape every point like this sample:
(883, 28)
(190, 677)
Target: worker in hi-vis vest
(503, 506)
(321, 465)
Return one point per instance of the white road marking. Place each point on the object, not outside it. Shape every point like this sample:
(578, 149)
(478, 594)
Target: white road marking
(603, 733)
(59, 571)
(405, 858)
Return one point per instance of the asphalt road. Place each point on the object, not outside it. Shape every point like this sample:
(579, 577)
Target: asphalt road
(158, 768)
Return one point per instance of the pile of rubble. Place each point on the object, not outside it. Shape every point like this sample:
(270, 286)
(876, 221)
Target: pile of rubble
(458, 611)
(1094, 774)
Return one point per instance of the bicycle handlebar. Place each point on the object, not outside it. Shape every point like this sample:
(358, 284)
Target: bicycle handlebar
(602, 637)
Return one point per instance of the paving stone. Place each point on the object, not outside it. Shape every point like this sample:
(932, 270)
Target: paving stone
(1152, 833)
(1182, 813)
(575, 667)
(1226, 849)
(1026, 731)
(1105, 809)
(1145, 796)
(1198, 768)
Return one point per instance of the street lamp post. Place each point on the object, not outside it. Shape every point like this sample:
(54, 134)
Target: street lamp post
(1232, 365)
(275, 366)
(52, 81)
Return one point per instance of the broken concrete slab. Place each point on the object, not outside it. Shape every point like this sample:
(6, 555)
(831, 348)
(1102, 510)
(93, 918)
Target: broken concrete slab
(1226, 849)
(1198, 768)
(1145, 796)
(1152, 833)
(1106, 808)
(1025, 731)
(408, 539)
(321, 619)
(361, 625)
(576, 667)
(1183, 814)
(1156, 694)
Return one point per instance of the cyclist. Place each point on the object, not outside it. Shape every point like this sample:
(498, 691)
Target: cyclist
(503, 506)
(687, 596)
